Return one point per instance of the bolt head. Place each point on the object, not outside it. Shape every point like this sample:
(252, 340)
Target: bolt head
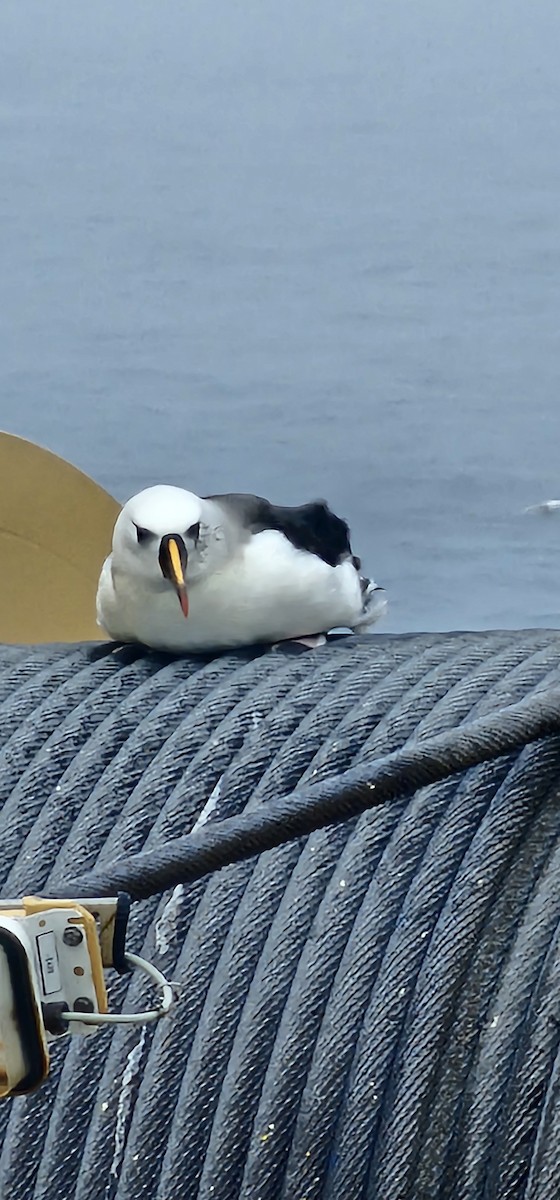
(72, 936)
(83, 1004)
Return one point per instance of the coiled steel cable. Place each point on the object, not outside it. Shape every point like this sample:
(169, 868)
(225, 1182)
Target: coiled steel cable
(368, 1011)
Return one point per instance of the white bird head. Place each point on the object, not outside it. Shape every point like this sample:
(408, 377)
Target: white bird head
(161, 536)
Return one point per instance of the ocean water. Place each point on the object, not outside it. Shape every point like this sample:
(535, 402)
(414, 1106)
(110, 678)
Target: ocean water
(305, 250)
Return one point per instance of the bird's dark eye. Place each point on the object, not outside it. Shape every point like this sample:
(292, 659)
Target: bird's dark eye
(143, 535)
(194, 532)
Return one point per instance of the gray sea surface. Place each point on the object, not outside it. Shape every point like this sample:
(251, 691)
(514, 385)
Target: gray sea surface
(308, 249)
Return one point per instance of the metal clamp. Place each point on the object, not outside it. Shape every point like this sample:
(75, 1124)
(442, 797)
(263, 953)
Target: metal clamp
(53, 954)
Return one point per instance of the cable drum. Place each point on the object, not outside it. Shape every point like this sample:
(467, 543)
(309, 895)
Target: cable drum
(369, 1011)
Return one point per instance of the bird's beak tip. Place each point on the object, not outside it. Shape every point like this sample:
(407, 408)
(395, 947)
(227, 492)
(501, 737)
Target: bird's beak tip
(183, 600)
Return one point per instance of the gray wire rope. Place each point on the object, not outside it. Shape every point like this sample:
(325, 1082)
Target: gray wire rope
(368, 1011)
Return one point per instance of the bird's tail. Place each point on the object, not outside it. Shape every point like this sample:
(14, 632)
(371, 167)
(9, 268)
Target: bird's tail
(375, 605)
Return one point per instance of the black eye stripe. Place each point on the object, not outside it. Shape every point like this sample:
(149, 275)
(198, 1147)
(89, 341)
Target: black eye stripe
(143, 535)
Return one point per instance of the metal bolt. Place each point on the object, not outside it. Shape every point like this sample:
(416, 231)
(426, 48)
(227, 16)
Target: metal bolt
(83, 1004)
(72, 936)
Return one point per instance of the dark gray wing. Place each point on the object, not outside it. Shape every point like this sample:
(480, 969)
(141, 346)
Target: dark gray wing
(312, 527)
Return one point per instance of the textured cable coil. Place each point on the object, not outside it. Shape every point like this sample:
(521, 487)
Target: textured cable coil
(372, 1011)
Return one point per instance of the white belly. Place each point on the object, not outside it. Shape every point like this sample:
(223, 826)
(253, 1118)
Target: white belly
(268, 593)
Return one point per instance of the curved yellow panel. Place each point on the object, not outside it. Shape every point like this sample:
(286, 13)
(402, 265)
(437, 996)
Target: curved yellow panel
(55, 531)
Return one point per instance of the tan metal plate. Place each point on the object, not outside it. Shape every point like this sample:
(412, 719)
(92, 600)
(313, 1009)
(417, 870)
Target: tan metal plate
(55, 531)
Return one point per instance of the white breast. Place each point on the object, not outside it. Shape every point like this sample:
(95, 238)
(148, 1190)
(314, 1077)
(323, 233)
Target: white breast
(267, 592)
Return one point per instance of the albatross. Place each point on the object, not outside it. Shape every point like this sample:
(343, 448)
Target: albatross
(190, 573)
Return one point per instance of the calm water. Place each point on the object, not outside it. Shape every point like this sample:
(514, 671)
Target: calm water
(301, 249)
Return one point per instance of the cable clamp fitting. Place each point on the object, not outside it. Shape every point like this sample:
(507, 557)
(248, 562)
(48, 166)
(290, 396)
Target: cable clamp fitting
(53, 954)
